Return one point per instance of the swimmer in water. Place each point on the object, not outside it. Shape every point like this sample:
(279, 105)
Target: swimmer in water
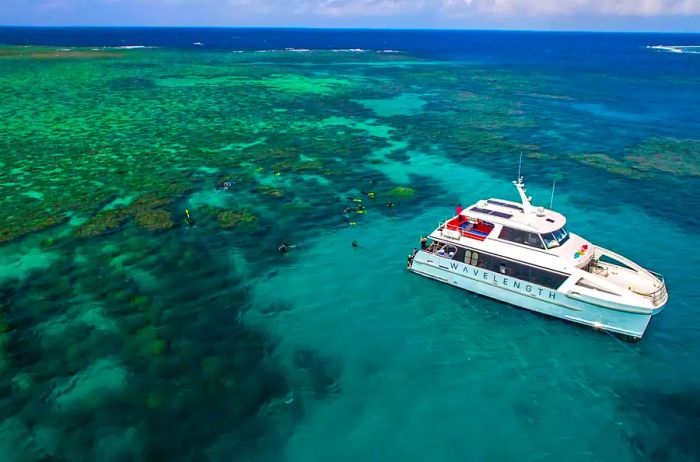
(390, 204)
(188, 218)
(355, 244)
(284, 247)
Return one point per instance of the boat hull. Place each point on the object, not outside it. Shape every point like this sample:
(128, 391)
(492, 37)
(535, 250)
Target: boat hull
(529, 296)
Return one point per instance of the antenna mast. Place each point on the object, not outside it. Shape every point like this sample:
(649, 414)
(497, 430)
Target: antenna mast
(551, 199)
(520, 163)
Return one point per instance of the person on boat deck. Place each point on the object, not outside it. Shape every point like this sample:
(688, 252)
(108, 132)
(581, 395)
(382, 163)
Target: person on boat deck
(458, 209)
(423, 242)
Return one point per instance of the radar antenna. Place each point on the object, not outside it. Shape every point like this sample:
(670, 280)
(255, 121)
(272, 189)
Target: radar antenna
(551, 199)
(520, 163)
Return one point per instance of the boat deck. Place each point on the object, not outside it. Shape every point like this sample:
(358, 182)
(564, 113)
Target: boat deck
(478, 230)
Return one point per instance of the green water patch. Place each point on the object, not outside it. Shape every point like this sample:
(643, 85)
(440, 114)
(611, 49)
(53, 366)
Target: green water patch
(14, 265)
(303, 84)
(287, 83)
(195, 81)
(91, 386)
(120, 202)
(34, 194)
(403, 104)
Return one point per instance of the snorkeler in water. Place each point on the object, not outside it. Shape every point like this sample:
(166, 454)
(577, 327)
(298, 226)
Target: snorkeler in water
(188, 218)
(355, 244)
(390, 204)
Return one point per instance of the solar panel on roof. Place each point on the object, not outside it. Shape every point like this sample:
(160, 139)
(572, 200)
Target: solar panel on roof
(503, 204)
(490, 212)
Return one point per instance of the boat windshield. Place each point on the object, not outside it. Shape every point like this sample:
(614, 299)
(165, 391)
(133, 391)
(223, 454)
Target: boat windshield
(556, 238)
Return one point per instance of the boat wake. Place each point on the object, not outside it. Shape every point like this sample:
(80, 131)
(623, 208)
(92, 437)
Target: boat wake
(689, 49)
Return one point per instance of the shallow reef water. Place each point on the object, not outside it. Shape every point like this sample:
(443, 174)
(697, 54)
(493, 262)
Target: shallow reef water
(131, 332)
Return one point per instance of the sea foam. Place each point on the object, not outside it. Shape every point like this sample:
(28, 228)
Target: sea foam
(691, 49)
(130, 47)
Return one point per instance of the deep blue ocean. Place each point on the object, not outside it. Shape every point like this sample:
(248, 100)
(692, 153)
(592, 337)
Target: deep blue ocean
(355, 359)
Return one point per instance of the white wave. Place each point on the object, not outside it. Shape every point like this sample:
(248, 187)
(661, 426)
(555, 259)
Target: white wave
(389, 51)
(131, 47)
(692, 49)
(198, 44)
(298, 50)
(349, 50)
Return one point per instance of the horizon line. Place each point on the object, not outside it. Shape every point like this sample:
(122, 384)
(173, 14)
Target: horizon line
(362, 28)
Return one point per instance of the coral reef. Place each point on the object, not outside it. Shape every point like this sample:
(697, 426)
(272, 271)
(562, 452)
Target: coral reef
(609, 164)
(231, 218)
(677, 157)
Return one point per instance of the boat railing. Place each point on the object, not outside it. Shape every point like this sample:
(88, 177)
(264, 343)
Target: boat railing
(456, 232)
(435, 248)
(658, 296)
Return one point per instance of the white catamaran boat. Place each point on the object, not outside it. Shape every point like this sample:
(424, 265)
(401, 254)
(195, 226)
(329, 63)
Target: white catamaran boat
(523, 255)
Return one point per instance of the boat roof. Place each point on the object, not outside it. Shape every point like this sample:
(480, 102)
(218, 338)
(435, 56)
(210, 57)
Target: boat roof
(519, 215)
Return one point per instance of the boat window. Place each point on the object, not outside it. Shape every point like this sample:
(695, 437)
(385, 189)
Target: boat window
(516, 270)
(561, 235)
(550, 241)
(521, 237)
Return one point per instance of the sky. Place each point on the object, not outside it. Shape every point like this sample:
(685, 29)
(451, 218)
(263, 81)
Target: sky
(621, 15)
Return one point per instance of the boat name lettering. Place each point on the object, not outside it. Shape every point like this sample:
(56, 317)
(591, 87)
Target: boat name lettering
(504, 281)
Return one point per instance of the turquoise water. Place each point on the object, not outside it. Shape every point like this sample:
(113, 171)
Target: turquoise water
(127, 335)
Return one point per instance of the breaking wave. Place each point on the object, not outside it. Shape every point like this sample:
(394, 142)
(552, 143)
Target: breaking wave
(690, 49)
(130, 47)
